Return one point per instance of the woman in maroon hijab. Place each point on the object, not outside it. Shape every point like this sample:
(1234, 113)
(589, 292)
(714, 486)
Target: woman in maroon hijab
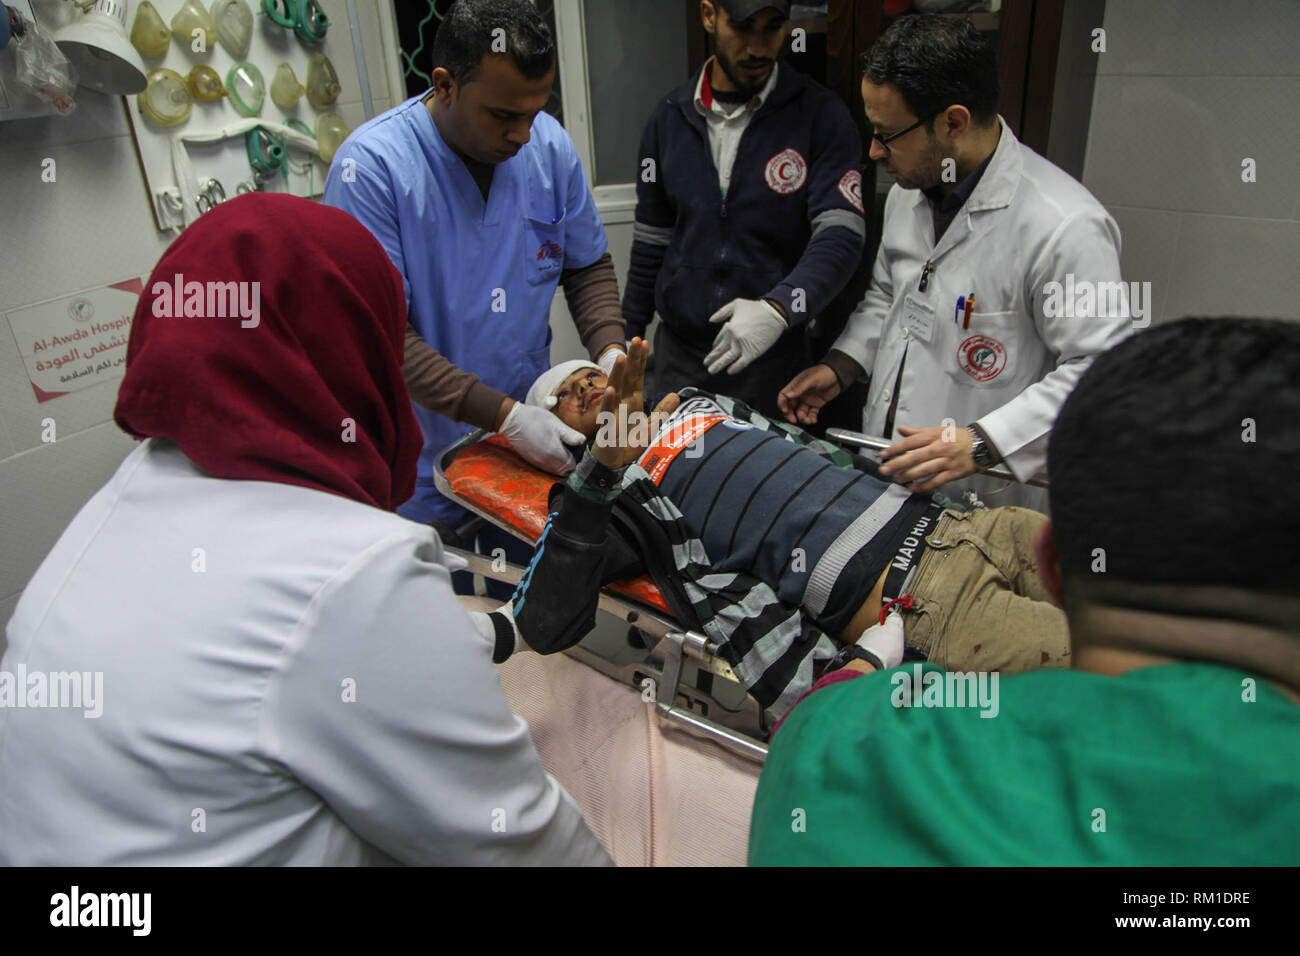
(275, 664)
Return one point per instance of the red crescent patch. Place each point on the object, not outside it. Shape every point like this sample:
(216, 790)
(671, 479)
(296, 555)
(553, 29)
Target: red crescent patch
(982, 358)
(851, 188)
(786, 172)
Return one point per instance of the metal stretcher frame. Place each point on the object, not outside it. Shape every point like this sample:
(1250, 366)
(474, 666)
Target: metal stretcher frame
(872, 443)
(673, 649)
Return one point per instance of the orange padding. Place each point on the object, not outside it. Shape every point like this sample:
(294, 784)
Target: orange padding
(492, 478)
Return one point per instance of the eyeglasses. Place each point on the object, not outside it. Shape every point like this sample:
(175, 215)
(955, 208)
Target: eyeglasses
(884, 141)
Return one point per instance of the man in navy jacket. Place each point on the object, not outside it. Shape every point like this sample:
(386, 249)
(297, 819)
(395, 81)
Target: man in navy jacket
(749, 212)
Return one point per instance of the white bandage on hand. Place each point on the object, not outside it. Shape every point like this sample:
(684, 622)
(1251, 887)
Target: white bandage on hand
(885, 641)
(753, 326)
(540, 437)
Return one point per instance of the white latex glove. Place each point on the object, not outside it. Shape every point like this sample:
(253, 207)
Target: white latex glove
(885, 640)
(608, 358)
(539, 437)
(753, 326)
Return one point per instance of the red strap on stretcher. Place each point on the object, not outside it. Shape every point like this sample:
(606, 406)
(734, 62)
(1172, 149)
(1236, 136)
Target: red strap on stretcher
(906, 601)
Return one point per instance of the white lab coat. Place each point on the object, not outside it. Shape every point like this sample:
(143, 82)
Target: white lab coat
(1026, 224)
(287, 679)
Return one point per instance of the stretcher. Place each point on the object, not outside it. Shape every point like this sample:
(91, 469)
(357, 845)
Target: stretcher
(693, 688)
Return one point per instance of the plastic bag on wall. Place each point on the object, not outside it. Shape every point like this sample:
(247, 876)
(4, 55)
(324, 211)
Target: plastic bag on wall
(41, 68)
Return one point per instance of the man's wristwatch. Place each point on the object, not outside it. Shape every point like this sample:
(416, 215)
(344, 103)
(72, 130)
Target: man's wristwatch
(853, 652)
(981, 451)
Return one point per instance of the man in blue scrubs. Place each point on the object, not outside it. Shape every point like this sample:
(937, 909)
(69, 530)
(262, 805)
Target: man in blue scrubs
(481, 202)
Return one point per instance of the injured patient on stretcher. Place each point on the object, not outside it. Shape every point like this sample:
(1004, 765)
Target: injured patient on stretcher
(778, 546)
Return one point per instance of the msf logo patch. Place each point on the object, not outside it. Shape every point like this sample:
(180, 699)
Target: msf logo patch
(550, 249)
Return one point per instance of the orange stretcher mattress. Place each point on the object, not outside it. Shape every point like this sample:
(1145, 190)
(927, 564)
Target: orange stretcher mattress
(489, 476)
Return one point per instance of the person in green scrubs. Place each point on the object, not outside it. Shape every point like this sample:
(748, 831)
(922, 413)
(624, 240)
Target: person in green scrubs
(1174, 738)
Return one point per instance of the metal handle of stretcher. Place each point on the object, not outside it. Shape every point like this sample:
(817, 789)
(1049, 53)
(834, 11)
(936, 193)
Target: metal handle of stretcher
(674, 646)
(872, 443)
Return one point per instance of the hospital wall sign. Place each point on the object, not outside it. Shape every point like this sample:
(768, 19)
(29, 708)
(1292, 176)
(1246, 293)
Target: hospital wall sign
(78, 340)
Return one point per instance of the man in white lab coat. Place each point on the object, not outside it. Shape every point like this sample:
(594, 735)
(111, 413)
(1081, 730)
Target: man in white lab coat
(996, 283)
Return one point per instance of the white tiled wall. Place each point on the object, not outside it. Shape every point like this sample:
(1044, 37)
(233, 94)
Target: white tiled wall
(92, 226)
(1186, 90)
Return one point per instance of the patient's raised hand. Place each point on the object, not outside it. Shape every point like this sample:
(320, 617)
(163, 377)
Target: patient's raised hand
(624, 427)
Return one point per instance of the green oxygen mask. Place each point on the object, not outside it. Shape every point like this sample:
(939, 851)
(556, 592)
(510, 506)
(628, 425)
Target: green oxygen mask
(265, 151)
(246, 88)
(304, 17)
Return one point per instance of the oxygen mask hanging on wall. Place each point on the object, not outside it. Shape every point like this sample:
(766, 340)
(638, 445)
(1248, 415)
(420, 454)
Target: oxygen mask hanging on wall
(204, 83)
(234, 22)
(166, 100)
(322, 82)
(304, 17)
(265, 153)
(149, 34)
(246, 88)
(331, 131)
(285, 88)
(190, 17)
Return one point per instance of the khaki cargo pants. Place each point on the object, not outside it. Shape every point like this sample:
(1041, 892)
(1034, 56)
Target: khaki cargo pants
(979, 603)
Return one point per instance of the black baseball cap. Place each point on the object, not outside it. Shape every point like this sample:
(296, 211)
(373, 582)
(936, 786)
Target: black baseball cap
(744, 9)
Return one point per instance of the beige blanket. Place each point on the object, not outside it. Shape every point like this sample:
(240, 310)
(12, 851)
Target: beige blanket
(653, 796)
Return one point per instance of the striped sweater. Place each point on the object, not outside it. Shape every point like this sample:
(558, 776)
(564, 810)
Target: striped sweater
(746, 524)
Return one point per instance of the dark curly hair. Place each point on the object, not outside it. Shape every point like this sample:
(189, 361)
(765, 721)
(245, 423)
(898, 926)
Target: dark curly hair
(468, 32)
(935, 62)
(1177, 453)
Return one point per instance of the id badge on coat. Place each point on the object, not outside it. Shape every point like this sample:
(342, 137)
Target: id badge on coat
(918, 317)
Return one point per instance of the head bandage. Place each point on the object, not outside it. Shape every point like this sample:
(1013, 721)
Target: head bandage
(541, 394)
